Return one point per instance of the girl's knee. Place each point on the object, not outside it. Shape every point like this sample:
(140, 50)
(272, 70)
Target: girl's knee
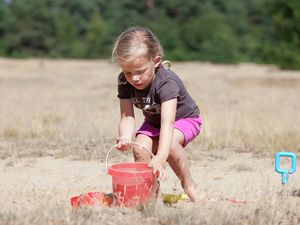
(140, 155)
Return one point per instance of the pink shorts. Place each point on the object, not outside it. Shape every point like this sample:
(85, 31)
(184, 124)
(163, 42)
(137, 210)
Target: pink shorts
(190, 127)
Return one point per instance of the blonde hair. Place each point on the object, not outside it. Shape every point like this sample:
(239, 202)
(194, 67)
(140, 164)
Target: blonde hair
(134, 42)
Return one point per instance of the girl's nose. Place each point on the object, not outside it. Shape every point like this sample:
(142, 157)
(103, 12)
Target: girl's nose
(135, 78)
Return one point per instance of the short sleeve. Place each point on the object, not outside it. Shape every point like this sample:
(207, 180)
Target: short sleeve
(168, 90)
(123, 87)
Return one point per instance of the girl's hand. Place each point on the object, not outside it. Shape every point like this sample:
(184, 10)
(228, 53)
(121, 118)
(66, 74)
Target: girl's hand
(158, 165)
(123, 143)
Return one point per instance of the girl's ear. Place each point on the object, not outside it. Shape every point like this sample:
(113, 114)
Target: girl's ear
(157, 60)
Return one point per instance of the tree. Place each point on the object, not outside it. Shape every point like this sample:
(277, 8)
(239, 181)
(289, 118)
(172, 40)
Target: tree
(210, 38)
(96, 37)
(282, 38)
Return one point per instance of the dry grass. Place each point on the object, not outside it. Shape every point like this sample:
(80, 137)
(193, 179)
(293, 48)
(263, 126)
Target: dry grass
(267, 209)
(64, 107)
(56, 108)
(69, 109)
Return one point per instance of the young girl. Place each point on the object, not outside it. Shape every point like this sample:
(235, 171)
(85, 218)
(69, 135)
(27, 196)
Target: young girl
(172, 119)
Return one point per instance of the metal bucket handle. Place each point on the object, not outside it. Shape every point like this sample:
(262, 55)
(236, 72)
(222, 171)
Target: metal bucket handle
(132, 143)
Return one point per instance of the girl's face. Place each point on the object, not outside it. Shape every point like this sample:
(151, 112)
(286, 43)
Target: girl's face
(140, 72)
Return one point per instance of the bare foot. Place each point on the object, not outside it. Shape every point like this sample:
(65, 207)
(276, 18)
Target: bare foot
(194, 194)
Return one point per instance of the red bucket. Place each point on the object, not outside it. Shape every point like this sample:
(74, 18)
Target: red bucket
(133, 183)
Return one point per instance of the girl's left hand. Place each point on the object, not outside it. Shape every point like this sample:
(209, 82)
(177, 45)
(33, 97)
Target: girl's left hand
(158, 165)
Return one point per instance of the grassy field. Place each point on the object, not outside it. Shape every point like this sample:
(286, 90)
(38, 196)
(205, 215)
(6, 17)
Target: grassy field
(59, 117)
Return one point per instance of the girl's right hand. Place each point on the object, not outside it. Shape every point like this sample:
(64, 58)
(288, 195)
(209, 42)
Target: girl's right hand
(123, 143)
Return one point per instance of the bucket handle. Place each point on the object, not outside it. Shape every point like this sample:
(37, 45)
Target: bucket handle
(133, 143)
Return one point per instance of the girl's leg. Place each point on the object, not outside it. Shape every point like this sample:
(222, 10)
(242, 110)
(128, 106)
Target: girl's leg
(140, 154)
(179, 163)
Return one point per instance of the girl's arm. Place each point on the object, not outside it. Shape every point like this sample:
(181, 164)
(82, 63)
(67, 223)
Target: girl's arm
(127, 124)
(168, 114)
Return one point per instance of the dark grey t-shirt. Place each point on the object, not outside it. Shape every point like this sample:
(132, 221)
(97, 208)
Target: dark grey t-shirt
(165, 86)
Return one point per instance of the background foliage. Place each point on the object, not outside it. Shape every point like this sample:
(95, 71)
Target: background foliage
(261, 31)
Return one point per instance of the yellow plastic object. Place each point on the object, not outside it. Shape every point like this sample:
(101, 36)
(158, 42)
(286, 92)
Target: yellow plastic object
(171, 198)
